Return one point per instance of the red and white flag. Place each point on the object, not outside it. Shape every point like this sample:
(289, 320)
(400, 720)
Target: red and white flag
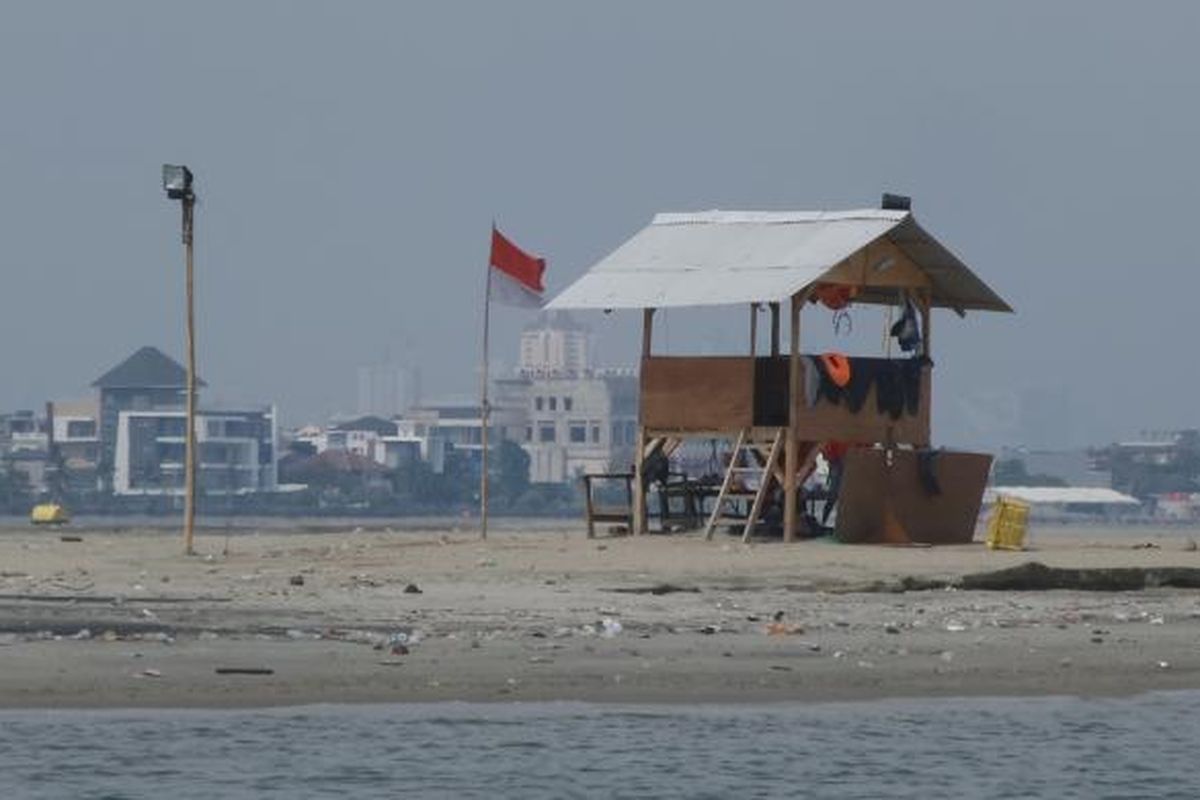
(516, 276)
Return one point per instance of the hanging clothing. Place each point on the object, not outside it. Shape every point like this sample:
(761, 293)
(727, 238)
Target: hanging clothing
(865, 375)
(910, 378)
(829, 390)
(927, 471)
(812, 380)
(889, 390)
(897, 385)
(907, 329)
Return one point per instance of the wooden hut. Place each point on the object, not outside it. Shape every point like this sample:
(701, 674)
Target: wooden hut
(764, 402)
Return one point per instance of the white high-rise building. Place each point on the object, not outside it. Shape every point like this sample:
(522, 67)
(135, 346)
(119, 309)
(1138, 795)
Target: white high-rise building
(556, 346)
(579, 418)
(386, 390)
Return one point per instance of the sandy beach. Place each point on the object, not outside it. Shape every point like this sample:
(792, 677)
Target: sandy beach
(121, 618)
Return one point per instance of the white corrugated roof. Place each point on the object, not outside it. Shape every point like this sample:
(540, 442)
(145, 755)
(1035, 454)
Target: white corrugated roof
(1061, 495)
(728, 257)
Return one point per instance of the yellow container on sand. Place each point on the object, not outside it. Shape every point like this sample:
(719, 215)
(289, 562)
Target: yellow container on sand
(1007, 525)
(49, 514)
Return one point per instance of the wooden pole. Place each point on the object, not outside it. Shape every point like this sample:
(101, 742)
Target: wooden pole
(639, 488)
(926, 350)
(189, 500)
(791, 446)
(484, 410)
(753, 330)
(647, 330)
(926, 314)
(774, 329)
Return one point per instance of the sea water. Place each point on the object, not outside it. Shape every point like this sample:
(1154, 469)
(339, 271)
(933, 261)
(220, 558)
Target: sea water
(1143, 746)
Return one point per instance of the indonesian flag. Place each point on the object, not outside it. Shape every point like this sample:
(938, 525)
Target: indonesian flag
(515, 277)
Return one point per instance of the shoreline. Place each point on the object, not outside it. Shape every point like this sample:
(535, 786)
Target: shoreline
(584, 706)
(551, 616)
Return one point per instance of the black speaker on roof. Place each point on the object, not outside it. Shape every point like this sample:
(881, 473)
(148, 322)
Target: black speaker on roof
(895, 202)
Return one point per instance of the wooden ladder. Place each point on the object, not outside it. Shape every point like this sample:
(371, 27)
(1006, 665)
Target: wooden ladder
(766, 470)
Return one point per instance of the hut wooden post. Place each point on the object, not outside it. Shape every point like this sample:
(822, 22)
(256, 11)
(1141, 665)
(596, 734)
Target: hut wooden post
(926, 309)
(639, 488)
(774, 330)
(791, 445)
(927, 386)
(753, 330)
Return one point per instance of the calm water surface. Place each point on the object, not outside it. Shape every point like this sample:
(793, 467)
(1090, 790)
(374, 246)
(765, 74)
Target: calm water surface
(992, 748)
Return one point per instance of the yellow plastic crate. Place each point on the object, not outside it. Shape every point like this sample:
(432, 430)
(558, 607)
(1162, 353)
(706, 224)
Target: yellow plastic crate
(1006, 527)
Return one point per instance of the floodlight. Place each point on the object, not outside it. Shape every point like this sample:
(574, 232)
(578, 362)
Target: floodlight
(177, 181)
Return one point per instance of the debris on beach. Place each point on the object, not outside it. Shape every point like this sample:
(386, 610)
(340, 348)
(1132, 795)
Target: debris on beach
(412, 588)
(296, 580)
(657, 589)
(296, 634)
(610, 627)
(244, 671)
(148, 673)
(399, 642)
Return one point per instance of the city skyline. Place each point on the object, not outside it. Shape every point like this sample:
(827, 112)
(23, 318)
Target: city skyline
(350, 162)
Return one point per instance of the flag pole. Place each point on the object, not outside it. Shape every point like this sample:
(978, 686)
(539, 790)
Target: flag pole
(484, 408)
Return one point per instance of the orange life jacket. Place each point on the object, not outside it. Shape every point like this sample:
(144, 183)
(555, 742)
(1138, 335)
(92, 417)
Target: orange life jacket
(835, 296)
(837, 367)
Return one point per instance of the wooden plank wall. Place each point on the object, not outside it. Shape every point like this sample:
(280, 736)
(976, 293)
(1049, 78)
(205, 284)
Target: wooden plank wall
(703, 393)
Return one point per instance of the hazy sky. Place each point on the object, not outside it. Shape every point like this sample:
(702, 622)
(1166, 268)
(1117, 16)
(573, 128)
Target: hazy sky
(351, 156)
